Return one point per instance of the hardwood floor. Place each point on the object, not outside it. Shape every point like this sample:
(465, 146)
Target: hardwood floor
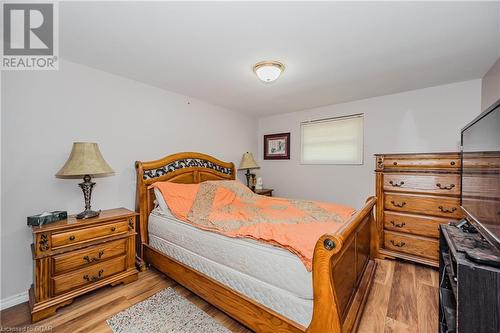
(403, 299)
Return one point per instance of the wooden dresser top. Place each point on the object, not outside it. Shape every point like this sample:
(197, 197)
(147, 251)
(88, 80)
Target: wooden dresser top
(72, 221)
(423, 162)
(421, 155)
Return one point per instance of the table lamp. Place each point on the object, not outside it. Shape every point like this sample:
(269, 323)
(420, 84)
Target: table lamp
(247, 163)
(85, 160)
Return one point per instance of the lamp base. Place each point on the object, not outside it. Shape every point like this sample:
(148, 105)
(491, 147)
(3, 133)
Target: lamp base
(86, 187)
(87, 214)
(247, 174)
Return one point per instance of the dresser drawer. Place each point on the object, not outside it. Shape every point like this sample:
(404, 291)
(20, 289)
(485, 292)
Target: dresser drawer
(420, 246)
(93, 233)
(423, 183)
(444, 162)
(91, 274)
(77, 259)
(413, 224)
(423, 204)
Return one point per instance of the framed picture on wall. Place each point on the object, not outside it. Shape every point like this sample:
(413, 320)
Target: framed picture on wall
(277, 146)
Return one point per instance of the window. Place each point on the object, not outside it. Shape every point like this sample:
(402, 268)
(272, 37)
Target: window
(332, 141)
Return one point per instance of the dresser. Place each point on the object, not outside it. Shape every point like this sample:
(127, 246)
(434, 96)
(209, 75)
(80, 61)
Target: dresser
(72, 257)
(415, 194)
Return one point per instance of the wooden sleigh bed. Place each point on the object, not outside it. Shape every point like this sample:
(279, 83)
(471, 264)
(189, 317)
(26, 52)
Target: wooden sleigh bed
(343, 265)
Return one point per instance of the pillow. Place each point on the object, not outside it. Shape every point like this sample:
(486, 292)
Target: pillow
(162, 205)
(178, 197)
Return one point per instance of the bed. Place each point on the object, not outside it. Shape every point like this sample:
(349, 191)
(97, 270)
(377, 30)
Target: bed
(264, 287)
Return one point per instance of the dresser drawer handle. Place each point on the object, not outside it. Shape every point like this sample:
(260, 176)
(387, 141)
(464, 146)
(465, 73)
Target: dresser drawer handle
(396, 184)
(402, 204)
(452, 162)
(113, 229)
(398, 244)
(444, 210)
(93, 259)
(398, 225)
(445, 187)
(395, 163)
(71, 238)
(93, 278)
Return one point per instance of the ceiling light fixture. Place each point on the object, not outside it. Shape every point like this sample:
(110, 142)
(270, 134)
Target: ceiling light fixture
(268, 71)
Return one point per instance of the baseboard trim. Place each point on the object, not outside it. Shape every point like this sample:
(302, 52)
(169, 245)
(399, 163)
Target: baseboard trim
(13, 300)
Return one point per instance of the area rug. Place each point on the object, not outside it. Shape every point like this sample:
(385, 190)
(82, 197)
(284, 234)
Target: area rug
(164, 312)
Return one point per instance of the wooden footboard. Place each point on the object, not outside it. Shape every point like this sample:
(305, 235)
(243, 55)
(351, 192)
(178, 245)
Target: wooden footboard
(343, 269)
(343, 265)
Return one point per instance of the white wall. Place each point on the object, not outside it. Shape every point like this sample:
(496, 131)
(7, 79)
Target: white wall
(425, 120)
(44, 112)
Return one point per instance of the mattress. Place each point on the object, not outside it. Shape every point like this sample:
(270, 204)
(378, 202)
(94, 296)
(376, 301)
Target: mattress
(267, 274)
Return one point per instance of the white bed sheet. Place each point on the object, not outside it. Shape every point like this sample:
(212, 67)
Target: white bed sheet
(270, 275)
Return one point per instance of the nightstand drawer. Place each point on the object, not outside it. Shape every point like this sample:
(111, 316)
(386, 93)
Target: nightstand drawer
(91, 274)
(93, 233)
(423, 204)
(420, 246)
(423, 183)
(413, 224)
(77, 259)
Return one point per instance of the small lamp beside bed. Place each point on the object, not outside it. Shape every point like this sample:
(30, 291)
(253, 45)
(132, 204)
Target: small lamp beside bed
(248, 163)
(85, 161)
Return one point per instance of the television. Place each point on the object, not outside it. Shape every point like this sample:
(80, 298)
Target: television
(480, 197)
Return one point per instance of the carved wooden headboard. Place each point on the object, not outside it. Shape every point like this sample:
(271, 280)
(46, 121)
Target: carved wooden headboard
(187, 168)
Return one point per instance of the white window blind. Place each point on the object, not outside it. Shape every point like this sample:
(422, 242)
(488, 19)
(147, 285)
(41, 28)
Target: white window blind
(332, 141)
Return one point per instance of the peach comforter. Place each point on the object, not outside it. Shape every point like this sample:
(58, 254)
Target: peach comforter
(231, 209)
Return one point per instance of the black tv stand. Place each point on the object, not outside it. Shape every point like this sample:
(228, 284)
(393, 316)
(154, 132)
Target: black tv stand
(465, 238)
(469, 291)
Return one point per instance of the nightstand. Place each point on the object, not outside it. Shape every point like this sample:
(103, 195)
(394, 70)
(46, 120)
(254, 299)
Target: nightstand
(72, 257)
(265, 191)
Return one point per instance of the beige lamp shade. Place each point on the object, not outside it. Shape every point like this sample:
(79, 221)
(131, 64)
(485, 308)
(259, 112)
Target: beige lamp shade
(85, 159)
(248, 162)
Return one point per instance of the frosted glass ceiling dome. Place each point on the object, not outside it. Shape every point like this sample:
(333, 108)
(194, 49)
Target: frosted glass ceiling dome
(268, 71)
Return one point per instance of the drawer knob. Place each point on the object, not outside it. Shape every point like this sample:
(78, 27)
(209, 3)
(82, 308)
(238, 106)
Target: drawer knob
(452, 162)
(441, 187)
(93, 259)
(113, 229)
(396, 184)
(445, 210)
(397, 244)
(397, 204)
(395, 163)
(398, 225)
(71, 238)
(94, 278)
